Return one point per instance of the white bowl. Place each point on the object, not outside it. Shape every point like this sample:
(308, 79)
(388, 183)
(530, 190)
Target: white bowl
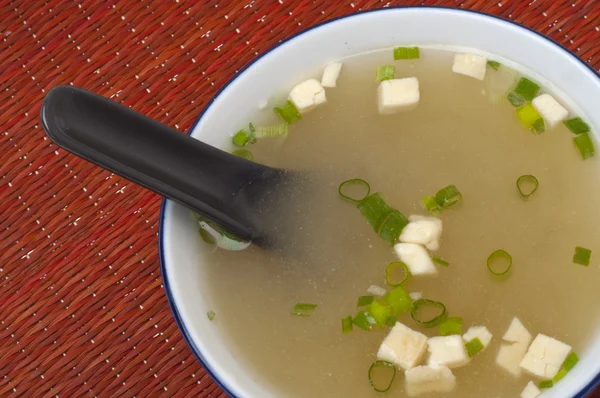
(303, 56)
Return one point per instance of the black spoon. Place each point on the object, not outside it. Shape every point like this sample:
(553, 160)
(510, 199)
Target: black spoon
(231, 191)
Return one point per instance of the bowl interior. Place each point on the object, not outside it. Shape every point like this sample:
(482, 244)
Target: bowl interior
(272, 75)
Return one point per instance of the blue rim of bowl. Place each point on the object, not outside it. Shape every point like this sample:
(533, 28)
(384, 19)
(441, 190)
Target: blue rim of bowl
(186, 336)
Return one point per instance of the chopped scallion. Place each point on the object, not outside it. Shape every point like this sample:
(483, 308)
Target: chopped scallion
(288, 112)
(544, 384)
(398, 300)
(392, 227)
(515, 99)
(450, 326)
(243, 153)
(303, 309)
(474, 346)
(448, 196)
(561, 373)
(577, 125)
(354, 190)
(571, 361)
(582, 256)
(406, 53)
(440, 261)
(527, 185)
(428, 313)
(432, 205)
(364, 300)
(391, 273)
(381, 375)
(206, 237)
(211, 315)
(241, 138)
(539, 126)
(584, 145)
(385, 72)
(347, 324)
(494, 64)
(271, 131)
(528, 116)
(375, 210)
(380, 311)
(363, 320)
(527, 89)
(499, 262)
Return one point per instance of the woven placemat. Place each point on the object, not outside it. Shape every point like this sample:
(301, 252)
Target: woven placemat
(83, 311)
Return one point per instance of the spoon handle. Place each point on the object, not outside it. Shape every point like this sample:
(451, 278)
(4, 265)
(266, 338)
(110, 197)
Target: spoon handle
(209, 181)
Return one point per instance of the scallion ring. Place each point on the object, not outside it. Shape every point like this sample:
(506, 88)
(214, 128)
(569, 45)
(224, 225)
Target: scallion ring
(422, 305)
(358, 184)
(527, 185)
(495, 261)
(391, 271)
(386, 366)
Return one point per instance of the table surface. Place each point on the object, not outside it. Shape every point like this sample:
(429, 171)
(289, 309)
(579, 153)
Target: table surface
(83, 308)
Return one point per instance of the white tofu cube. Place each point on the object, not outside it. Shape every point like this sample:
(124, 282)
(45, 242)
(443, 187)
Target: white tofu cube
(403, 347)
(447, 351)
(545, 356)
(480, 332)
(376, 290)
(307, 95)
(424, 379)
(425, 231)
(530, 391)
(549, 109)
(414, 296)
(398, 95)
(416, 258)
(331, 74)
(516, 333)
(472, 65)
(510, 355)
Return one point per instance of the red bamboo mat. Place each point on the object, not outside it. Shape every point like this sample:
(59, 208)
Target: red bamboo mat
(83, 311)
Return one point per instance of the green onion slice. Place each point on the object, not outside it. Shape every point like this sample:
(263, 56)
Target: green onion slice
(499, 262)
(381, 375)
(544, 384)
(577, 125)
(450, 326)
(211, 315)
(363, 320)
(288, 112)
(494, 64)
(432, 206)
(385, 72)
(539, 126)
(380, 311)
(399, 300)
(375, 210)
(271, 131)
(582, 256)
(391, 273)
(474, 347)
(364, 300)
(207, 237)
(354, 190)
(561, 373)
(527, 89)
(406, 53)
(448, 196)
(440, 261)
(571, 361)
(243, 153)
(527, 185)
(428, 313)
(303, 309)
(241, 138)
(584, 145)
(347, 324)
(529, 117)
(515, 99)
(392, 227)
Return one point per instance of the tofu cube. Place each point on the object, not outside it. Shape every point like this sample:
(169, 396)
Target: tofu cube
(472, 65)
(425, 231)
(545, 356)
(307, 95)
(331, 74)
(510, 354)
(403, 347)
(424, 379)
(398, 95)
(480, 332)
(530, 391)
(549, 109)
(447, 351)
(416, 258)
